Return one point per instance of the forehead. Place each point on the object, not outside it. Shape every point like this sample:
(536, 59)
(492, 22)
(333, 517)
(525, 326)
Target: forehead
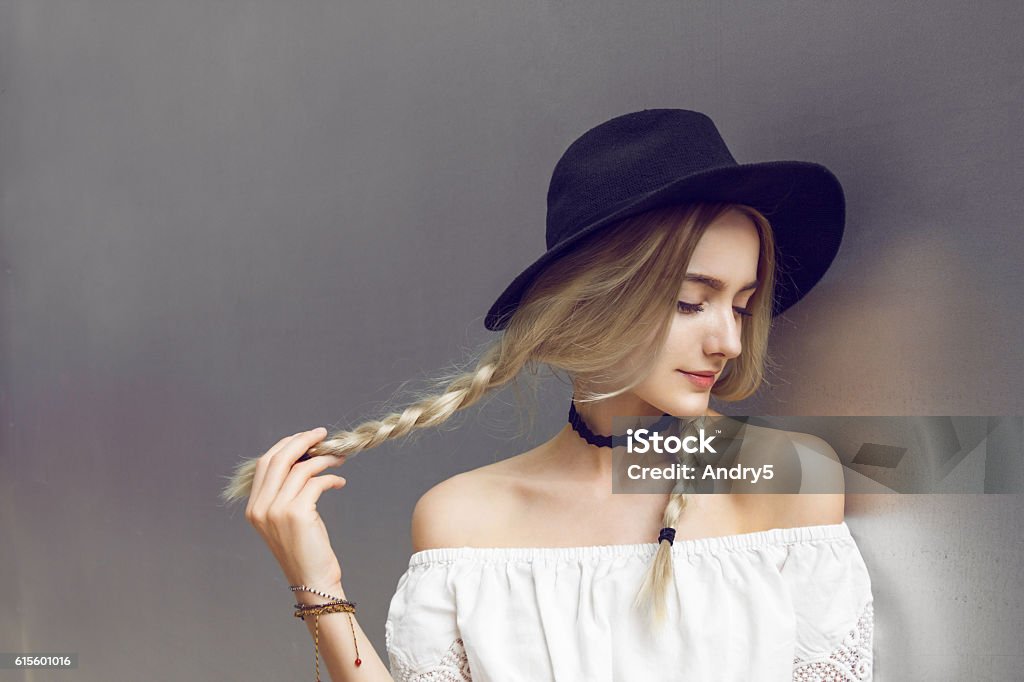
(725, 258)
(728, 249)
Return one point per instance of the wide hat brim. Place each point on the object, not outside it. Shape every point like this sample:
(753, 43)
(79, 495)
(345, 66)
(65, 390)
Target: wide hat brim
(803, 201)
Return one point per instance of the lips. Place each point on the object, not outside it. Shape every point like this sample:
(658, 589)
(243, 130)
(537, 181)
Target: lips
(700, 374)
(704, 380)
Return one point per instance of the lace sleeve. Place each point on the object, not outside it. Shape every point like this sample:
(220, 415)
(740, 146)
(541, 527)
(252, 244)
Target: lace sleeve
(421, 633)
(851, 661)
(833, 609)
(453, 667)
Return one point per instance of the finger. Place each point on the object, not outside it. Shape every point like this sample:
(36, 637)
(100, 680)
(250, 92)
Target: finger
(301, 473)
(280, 463)
(264, 459)
(260, 500)
(261, 469)
(307, 456)
(259, 472)
(314, 488)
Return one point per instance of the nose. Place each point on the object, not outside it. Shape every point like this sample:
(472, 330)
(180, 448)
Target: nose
(723, 336)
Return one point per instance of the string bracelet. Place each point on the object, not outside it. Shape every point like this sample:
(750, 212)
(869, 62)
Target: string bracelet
(334, 605)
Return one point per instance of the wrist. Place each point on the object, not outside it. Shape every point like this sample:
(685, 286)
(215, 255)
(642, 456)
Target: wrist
(305, 597)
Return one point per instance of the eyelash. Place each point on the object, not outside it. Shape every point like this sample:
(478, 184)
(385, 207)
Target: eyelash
(689, 308)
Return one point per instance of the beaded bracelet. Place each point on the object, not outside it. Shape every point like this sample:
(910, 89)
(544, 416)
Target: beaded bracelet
(304, 588)
(335, 605)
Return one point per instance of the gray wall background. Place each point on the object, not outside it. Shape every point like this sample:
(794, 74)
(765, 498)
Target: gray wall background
(224, 222)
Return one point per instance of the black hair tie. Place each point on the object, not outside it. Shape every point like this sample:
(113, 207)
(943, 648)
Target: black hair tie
(667, 534)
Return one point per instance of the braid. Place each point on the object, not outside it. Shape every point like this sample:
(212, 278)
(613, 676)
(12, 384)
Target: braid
(653, 592)
(461, 392)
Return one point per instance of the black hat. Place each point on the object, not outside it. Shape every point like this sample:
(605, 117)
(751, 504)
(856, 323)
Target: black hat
(656, 157)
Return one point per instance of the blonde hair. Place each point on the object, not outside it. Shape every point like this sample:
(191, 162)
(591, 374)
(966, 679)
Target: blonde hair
(589, 311)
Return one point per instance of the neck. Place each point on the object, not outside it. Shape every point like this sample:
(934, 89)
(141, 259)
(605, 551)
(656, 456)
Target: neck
(590, 461)
(599, 415)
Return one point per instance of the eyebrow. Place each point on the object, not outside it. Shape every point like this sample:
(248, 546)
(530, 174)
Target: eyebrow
(714, 282)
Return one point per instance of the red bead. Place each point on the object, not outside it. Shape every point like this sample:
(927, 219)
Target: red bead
(359, 661)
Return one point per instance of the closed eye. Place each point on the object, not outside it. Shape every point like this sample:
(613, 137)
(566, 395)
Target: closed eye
(691, 308)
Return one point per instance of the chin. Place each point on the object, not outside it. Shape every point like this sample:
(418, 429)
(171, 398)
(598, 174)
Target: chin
(692, 405)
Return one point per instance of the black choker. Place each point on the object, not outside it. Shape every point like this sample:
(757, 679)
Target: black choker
(581, 428)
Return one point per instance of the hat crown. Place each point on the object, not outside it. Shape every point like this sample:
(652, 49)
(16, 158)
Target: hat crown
(612, 164)
(647, 159)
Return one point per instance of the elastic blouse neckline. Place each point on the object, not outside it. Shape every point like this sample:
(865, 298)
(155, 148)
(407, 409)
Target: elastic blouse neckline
(712, 545)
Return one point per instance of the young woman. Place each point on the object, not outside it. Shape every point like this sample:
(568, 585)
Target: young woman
(666, 264)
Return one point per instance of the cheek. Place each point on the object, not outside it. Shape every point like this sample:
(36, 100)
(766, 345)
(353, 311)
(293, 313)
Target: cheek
(683, 335)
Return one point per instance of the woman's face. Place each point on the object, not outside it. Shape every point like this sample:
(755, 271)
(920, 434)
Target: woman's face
(705, 328)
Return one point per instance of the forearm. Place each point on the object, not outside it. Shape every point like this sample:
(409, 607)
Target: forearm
(336, 646)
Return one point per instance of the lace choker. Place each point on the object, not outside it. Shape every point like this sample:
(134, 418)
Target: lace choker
(580, 427)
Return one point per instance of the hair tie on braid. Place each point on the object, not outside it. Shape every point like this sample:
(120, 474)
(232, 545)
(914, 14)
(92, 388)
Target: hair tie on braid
(667, 534)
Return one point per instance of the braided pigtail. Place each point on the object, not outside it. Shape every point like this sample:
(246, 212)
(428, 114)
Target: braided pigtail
(493, 369)
(653, 592)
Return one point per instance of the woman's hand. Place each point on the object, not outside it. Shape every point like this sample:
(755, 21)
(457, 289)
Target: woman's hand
(282, 507)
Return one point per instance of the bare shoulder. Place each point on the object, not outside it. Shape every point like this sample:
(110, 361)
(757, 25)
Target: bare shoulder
(458, 510)
(814, 444)
(797, 457)
(442, 514)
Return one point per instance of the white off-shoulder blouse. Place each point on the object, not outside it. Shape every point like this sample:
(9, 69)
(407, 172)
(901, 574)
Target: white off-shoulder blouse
(781, 604)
